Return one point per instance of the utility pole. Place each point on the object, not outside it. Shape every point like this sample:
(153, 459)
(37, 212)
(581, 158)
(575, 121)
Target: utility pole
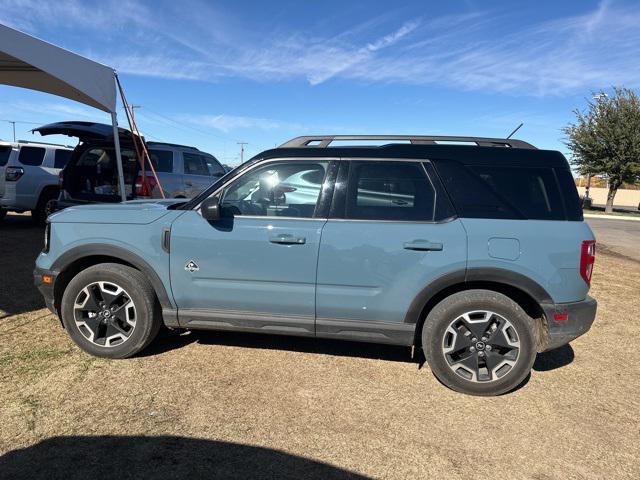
(13, 124)
(132, 110)
(242, 144)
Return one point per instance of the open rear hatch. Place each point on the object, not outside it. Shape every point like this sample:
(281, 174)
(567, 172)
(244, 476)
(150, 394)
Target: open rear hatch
(92, 173)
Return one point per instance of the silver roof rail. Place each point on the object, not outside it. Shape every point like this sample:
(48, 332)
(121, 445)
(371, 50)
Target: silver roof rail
(45, 143)
(324, 141)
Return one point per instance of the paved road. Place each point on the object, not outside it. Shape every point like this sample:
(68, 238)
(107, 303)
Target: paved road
(619, 236)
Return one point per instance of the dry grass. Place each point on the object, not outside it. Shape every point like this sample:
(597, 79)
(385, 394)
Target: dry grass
(272, 407)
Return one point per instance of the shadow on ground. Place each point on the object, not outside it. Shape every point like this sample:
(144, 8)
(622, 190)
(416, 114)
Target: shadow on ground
(556, 358)
(21, 242)
(170, 340)
(97, 457)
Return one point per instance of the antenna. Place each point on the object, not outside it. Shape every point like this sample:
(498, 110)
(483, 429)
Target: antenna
(517, 128)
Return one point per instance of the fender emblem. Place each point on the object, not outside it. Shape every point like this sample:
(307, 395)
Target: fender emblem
(191, 266)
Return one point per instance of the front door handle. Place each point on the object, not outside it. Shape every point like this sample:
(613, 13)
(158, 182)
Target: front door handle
(423, 246)
(287, 239)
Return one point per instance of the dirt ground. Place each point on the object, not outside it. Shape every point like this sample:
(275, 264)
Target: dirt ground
(239, 405)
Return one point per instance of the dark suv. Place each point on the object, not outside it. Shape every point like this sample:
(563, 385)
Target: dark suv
(90, 175)
(477, 253)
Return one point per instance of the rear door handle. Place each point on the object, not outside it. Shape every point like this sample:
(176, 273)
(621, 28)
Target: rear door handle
(188, 184)
(287, 239)
(423, 246)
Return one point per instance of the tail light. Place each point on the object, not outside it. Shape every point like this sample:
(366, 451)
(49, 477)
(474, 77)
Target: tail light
(587, 258)
(144, 185)
(13, 174)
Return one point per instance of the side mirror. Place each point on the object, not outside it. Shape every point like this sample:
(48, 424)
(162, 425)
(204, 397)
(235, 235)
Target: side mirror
(210, 209)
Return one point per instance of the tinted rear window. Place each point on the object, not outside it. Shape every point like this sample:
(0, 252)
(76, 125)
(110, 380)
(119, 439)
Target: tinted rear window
(509, 192)
(31, 156)
(162, 160)
(5, 151)
(61, 158)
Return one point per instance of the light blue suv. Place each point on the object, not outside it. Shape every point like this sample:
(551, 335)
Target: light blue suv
(473, 249)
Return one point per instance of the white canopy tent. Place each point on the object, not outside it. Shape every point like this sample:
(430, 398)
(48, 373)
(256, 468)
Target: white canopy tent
(28, 62)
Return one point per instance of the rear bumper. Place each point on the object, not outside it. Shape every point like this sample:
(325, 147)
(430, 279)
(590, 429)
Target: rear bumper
(580, 317)
(46, 289)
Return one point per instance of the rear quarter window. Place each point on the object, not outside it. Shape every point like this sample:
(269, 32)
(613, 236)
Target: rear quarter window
(61, 158)
(31, 156)
(5, 152)
(508, 192)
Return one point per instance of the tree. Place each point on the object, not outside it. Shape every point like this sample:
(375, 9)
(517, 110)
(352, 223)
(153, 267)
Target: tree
(605, 140)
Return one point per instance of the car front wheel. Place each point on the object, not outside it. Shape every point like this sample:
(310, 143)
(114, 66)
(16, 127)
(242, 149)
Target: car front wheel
(479, 342)
(110, 311)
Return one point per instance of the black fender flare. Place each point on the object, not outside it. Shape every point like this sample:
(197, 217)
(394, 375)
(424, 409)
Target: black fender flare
(99, 249)
(478, 274)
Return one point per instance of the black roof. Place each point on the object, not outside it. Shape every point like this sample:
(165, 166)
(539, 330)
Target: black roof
(464, 154)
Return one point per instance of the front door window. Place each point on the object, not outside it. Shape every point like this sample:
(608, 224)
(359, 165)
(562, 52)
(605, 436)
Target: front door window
(287, 189)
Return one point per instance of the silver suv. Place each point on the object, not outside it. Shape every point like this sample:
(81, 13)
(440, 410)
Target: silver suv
(29, 176)
(91, 174)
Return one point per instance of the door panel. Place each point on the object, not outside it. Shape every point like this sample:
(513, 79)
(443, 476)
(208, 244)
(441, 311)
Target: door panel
(249, 272)
(254, 268)
(369, 270)
(393, 235)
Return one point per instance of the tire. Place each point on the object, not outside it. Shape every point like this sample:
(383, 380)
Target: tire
(133, 320)
(40, 213)
(3, 213)
(466, 363)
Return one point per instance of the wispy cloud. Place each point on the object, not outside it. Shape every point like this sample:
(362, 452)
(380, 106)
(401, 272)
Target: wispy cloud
(472, 51)
(227, 123)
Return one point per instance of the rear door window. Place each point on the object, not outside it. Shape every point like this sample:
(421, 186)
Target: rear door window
(398, 191)
(5, 151)
(31, 156)
(162, 160)
(195, 164)
(61, 158)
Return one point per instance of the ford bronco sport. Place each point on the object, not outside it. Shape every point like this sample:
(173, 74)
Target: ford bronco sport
(473, 249)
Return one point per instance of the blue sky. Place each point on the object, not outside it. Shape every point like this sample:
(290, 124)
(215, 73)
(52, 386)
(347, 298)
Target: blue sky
(211, 74)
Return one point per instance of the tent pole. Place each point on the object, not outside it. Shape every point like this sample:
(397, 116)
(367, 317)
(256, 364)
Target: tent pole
(116, 142)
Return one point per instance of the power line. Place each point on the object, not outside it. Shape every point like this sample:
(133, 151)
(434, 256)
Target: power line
(13, 125)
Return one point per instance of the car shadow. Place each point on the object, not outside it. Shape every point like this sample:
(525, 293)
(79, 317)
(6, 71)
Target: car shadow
(170, 340)
(21, 243)
(553, 359)
(145, 457)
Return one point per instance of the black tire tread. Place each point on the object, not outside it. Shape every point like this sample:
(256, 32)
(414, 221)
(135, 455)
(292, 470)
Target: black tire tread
(150, 322)
(479, 299)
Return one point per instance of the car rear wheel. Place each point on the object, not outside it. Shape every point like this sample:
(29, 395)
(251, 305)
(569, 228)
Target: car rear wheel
(43, 208)
(479, 342)
(110, 311)
(3, 213)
